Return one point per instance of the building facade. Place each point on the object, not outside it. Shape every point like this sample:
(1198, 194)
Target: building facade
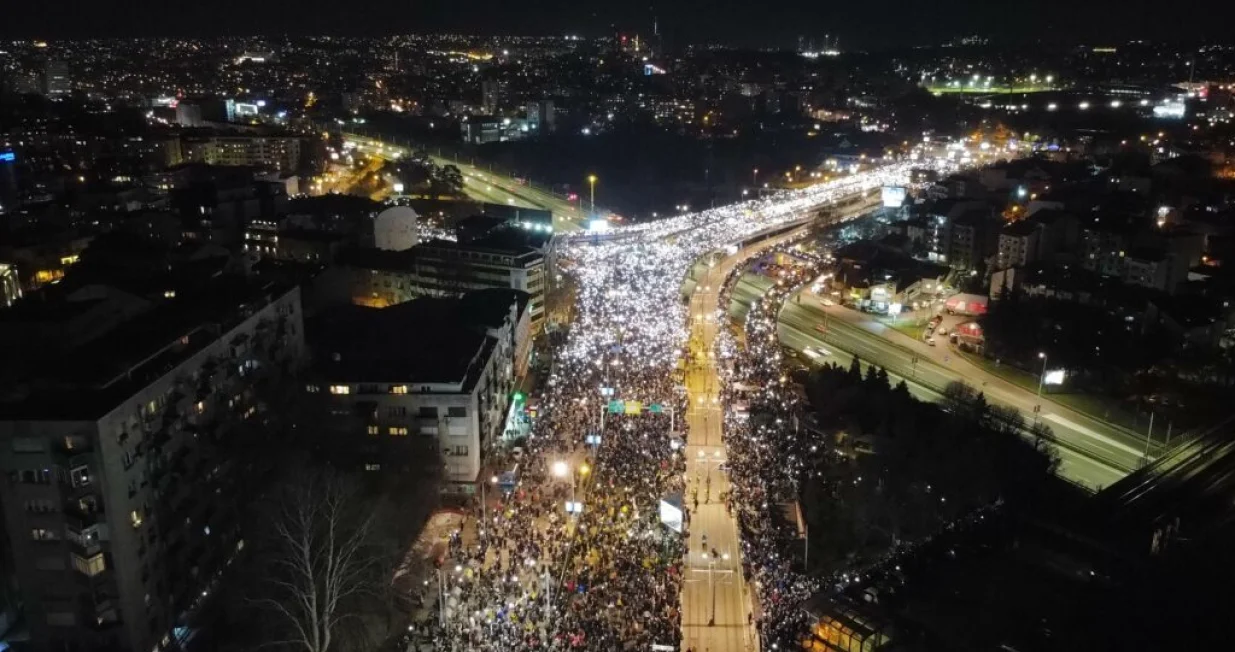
(10, 285)
(440, 268)
(452, 387)
(1018, 245)
(277, 153)
(117, 497)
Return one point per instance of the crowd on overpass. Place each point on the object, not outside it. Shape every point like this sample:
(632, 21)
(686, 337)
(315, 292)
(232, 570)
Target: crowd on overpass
(577, 556)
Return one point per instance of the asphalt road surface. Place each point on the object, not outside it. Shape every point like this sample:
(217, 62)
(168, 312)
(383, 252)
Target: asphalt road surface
(1093, 453)
(716, 602)
(486, 186)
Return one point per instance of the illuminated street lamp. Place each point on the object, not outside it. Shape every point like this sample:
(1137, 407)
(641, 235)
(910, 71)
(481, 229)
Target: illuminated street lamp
(591, 182)
(1041, 376)
(484, 504)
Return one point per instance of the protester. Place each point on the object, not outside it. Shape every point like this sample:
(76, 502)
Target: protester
(610, 577)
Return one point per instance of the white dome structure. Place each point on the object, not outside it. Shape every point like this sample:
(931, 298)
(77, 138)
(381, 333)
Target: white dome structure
(395, 229)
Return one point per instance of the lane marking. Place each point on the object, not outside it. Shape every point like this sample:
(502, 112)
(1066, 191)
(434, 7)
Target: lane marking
(1090, 433)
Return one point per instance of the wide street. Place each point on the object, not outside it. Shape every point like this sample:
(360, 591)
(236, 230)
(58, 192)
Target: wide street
(484, 185)
(622, 575)
(716, 601)
(1092, 452)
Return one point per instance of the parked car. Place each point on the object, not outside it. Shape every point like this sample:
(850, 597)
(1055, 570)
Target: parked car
(930, 341)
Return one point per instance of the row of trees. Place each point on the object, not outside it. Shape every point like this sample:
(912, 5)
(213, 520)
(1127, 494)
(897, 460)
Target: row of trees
(918, 466)
(1144, 369)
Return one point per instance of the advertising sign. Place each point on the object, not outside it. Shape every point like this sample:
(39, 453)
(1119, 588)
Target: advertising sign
(894, 196)
(671, 512)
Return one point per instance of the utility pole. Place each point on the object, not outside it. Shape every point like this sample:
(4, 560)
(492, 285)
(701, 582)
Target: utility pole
(1041, 376)
(712, 583)
(441, 597)
(1148, 438)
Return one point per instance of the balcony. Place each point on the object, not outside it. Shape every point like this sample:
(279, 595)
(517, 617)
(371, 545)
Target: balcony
(85, 541)
(71, 452)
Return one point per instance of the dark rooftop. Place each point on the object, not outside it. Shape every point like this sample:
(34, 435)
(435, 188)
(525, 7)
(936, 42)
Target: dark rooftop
(109, 369)
(1023, 227)
(428, 340)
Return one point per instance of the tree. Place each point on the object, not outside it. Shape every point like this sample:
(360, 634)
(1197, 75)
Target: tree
(855, 368)
(321, 564)
(1004, 419)
(452, 178)
(957, 397)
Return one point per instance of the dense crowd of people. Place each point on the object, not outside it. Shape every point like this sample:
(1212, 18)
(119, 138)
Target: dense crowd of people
(769, 456)
(608, 575)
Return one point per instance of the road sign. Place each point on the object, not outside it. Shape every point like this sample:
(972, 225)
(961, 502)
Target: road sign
(592, 440)
(616, 407)
(655, 408)
(634, 407)
(606, 391)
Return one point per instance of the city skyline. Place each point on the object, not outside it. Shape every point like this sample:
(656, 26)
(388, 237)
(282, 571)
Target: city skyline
(703, 327)
(858, 26)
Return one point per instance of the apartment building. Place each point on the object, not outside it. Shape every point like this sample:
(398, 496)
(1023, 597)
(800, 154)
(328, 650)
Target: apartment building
(119, 497)
(1018, 244)
(276, 153)
(434, 371)
(441, 268)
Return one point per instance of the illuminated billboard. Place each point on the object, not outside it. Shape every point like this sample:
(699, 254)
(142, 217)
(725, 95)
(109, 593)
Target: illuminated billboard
(671, 512)
(1054, 377)
(894, 196)
(1173, 110)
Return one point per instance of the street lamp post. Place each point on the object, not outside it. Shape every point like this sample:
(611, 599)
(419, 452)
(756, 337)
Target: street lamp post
(1041, 376)
(591, 182)
(561, 469)
(754, 177)
(441, 597)
(484, 505)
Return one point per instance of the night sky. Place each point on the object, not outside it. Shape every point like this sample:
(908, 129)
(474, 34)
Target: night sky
(860, 24)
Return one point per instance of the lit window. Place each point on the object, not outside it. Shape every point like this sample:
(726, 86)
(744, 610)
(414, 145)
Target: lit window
(312, 389)
(90, 566)
(373, 467)
(398, 389)
(340, 389)
(398, 431)
(135, 517)
(373, 430)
